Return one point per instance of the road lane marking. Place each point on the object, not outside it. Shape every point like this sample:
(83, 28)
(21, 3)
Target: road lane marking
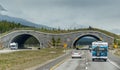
(86, 68)
(113, 63)
(58, 64)
(86, 63)
(55, 66)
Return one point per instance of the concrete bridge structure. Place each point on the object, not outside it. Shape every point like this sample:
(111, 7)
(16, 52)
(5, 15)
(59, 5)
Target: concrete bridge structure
(20, 36)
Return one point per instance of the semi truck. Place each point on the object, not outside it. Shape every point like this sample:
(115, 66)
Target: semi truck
(13, 46)
(99, 50)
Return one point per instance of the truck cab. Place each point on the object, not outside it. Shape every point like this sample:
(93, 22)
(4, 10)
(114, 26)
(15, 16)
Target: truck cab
(99, 50)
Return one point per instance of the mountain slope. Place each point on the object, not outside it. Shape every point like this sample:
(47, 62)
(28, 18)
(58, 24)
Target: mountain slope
(21, 21)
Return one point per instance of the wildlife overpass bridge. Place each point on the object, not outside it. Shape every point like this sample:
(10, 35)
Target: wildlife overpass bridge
(20, 36)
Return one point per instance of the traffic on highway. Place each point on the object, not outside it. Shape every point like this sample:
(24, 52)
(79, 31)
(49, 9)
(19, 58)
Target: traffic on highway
(59, 34)
(86, 63)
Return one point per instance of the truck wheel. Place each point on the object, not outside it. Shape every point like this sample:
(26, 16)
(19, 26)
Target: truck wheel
(93, 59)
(105, 60)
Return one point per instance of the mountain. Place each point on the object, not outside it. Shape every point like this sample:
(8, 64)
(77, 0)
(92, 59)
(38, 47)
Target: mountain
(22, 21)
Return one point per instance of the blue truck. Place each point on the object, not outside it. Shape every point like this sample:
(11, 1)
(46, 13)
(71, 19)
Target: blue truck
(99, 50)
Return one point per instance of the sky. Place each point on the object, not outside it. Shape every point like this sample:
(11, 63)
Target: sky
(104, 14)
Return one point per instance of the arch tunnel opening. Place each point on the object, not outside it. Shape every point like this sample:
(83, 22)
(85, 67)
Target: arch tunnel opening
(26, 41)
(85, 40)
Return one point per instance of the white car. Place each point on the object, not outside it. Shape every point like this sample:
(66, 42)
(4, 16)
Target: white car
(76, 54)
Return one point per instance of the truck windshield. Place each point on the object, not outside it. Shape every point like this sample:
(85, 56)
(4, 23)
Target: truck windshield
(100, 49)
(13, 46)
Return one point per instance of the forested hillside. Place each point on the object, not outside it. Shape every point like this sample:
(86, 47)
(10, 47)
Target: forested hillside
(7, 26)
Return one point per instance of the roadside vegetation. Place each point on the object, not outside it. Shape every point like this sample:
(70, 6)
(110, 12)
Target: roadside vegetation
(21, 60)
(117, 52)
(1, 45)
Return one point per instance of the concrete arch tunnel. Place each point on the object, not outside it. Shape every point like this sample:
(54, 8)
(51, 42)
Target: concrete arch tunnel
(22, 38)
(89, 36)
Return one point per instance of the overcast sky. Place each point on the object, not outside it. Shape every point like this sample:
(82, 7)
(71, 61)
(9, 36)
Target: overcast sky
(103, 14)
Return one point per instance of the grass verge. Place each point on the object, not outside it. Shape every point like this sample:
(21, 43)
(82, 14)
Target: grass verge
(24, 59)
(117, 52)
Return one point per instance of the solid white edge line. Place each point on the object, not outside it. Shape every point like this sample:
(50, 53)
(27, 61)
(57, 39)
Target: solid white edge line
(86, 68)
(113, 63)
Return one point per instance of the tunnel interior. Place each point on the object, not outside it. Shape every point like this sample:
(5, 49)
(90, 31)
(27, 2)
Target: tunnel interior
(86, 40)
(25, 40)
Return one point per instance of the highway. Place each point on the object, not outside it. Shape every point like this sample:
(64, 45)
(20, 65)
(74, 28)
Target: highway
(85, 63)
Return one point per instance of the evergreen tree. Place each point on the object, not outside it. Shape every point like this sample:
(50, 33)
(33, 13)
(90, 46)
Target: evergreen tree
(6, 26)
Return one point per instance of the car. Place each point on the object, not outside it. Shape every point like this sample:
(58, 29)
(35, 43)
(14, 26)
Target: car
(76, 54)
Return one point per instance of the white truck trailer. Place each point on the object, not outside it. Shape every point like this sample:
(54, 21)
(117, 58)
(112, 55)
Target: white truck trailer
(13, 46)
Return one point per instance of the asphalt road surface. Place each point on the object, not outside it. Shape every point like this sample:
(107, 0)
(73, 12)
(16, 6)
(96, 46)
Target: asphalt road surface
(85, 63)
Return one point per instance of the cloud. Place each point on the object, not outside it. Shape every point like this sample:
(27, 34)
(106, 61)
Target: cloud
(2, 9)
(64, 13)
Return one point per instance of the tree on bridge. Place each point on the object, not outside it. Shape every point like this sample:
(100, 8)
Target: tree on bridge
(53, 41)
(90, 28)
(56, 43)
